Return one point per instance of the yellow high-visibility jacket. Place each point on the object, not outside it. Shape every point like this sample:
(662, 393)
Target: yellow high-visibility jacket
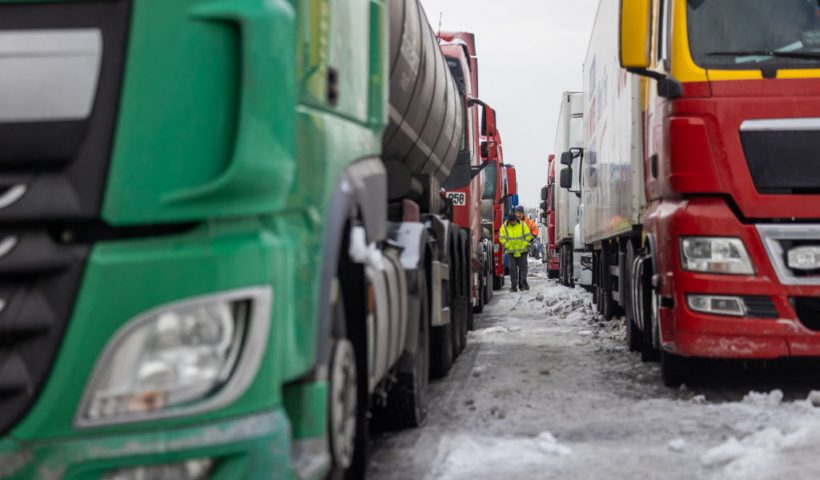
(515, 238)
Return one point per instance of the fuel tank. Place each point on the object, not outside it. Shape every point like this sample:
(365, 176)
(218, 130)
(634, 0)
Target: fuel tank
(426, 125)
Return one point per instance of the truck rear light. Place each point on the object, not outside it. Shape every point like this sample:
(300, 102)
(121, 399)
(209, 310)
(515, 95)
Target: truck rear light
(717, 305)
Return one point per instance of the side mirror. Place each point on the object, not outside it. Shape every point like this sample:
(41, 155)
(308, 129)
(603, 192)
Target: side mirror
(566, 178)
(544, 194)
(512, 181)
(634, 43)
(488, 118)
(514, 200)
(634, 37)
(572, 154)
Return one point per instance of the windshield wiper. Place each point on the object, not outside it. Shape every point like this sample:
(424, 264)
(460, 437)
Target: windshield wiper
(769, 53)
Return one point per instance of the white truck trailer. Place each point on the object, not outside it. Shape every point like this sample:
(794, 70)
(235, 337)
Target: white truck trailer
(569, 136)
(611, 163)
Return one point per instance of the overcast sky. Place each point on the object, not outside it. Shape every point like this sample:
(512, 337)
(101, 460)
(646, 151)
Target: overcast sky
(529, 51)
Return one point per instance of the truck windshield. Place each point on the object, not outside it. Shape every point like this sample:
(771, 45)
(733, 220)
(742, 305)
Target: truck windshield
(490, 182)
(749, 34)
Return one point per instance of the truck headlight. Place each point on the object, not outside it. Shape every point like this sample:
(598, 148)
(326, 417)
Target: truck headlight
(180, 359)
(715, 255)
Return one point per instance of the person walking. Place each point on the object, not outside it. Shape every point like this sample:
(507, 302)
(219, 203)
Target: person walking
(515, 237)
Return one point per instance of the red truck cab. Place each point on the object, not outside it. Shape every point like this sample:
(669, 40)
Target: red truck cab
(495, 192)
(732, 177)
(464, 187)
(548, 208)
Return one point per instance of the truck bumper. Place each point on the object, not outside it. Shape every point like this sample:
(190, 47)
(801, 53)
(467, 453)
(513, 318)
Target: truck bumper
(256, 446)
(773, 324)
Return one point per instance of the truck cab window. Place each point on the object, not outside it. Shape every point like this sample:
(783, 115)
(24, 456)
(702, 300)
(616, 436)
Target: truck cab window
(748, 34)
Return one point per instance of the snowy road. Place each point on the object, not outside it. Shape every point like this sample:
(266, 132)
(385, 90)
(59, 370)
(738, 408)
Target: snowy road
(547, 390)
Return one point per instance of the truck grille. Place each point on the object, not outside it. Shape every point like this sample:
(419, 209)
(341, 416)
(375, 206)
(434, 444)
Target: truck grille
(783, 155)
(61, 67)
(760, 307)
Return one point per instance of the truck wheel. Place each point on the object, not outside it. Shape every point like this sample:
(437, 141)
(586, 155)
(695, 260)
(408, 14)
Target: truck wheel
(488, 276)
(457, 317)
(487, 291)
(633, 334)
(441, 349)
(480, 298)
(347, 402)
(442, 343)
(608, 307)
(469, 321)
(645, 308)
(674, 369)
(406, 405)
(498, 282)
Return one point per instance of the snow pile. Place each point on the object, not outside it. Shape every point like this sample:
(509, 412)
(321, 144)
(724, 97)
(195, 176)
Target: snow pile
(775, 432)
(771, 399)
(752, 456)
(677, 445)
(471, 457)
(564, 302)
(547, 442)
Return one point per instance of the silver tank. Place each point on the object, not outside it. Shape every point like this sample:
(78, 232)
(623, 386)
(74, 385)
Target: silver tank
(422, 140)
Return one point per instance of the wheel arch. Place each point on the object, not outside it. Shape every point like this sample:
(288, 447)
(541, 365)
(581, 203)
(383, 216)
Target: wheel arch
(363, 183)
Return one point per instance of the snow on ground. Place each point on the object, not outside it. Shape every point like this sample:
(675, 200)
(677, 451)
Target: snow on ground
(546, 389)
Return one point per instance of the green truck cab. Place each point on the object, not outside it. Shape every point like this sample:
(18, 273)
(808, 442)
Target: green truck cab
(168, 163)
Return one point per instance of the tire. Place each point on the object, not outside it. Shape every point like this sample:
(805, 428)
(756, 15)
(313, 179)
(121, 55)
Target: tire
(406, 403)
(442, 353)
(608, 306)
(645, 294)
(634, 340)
(674, 369)
(348, 424)
(458, 319)
(553, 274)
(441, 350)
(498, 282)
(488, 275)
(480, 299)
(469, 323)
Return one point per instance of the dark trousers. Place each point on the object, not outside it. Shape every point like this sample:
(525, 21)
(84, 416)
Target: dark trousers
(518, 270)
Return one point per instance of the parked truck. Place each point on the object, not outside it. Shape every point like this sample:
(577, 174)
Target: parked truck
(551, 256)
(569, 135)
(465, 186)
(702, 190)
(224, 242)
(492, 203)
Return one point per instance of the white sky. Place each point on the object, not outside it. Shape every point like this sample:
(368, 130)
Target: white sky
(529, 51)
